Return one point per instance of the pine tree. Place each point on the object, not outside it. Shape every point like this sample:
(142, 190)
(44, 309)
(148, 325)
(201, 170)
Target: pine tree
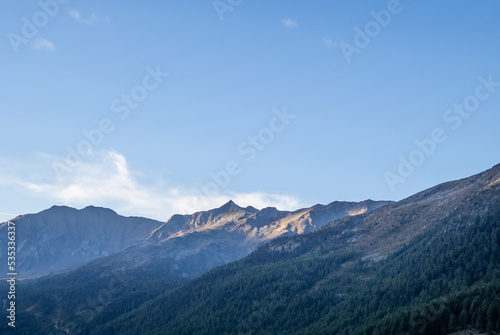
(463, 318)
(452, 324)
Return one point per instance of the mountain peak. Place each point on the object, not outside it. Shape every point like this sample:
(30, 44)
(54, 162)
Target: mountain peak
(251, 209)
(230, 206)
(59, 209)
(98, 209)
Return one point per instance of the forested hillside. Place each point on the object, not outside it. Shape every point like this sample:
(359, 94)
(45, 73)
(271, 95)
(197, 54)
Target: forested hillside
(443, 281)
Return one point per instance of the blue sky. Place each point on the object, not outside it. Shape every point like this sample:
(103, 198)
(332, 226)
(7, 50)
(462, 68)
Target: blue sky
(282, 103)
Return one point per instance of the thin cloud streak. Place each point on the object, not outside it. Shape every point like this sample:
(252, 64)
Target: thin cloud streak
(43, 44)
(290, 23)
(92, 19)
(106, 180)
(76, 14)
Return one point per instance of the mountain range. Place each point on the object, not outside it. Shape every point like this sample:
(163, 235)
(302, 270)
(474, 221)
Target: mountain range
(428, 264)
(63, 238)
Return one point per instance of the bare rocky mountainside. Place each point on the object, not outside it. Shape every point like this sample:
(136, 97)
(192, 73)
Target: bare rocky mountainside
(63, 238)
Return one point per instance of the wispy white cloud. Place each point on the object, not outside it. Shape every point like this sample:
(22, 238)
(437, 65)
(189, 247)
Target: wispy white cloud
(43, 45)
(290, 23)
(105, 179)
(327, 41)
(76, 14)
(90, 20)
(262, 200)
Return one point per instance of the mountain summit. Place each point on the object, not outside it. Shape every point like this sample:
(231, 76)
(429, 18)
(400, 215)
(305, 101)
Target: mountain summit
(61, 238)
